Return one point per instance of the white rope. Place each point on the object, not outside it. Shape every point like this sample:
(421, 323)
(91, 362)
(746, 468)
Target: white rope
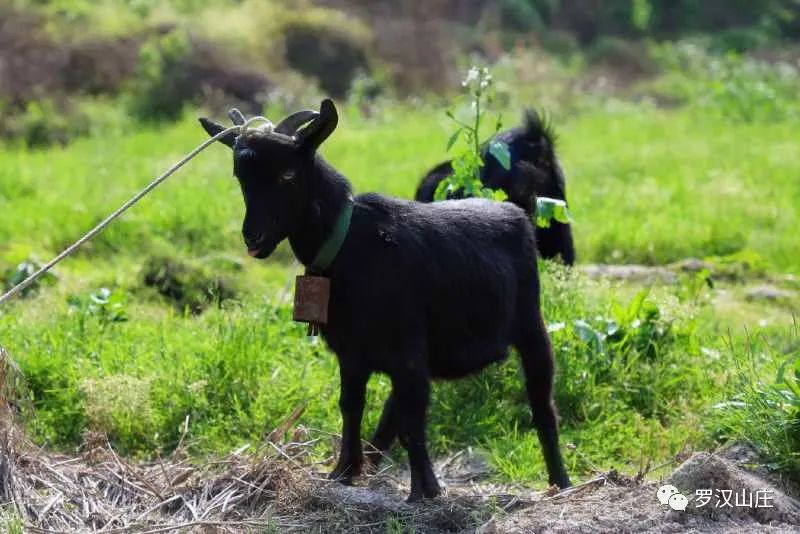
(122, 209)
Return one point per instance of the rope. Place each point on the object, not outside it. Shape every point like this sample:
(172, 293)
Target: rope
(122, 209)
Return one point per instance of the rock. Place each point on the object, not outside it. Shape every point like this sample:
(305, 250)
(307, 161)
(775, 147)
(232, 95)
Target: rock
(769, 292)
(633, 272)
(490, 527)
(692, 265)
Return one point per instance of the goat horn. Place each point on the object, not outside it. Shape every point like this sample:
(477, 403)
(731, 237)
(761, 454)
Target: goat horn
(290, 124)
(236, 116)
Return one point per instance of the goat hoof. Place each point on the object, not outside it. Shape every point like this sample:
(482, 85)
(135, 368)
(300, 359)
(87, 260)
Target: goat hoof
(414, 497)
(344, 474)
(428, 489)
(562, 482)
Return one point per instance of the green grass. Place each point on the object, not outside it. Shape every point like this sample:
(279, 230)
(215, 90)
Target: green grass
(653, 186)
(646, 185)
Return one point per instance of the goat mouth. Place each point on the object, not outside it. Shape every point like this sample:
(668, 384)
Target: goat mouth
(259, 253)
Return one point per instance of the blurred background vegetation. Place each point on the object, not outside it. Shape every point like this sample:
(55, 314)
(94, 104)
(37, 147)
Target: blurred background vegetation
(61, 61)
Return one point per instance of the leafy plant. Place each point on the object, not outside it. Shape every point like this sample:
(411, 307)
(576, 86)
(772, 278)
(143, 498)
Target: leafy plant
(21, 273)
(160, 91)
(466, 176)
(548, 209)
(106, 306)
(635, 328)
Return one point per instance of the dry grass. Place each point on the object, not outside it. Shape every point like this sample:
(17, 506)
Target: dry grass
(273, 488)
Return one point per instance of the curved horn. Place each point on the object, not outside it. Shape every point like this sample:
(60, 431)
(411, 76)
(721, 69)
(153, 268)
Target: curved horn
(290, 124)
(236, 116)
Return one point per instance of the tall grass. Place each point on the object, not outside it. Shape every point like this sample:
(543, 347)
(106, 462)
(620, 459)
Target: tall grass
(763, 409)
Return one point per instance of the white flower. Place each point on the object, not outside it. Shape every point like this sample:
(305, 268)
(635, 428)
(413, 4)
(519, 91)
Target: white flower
(472, 75)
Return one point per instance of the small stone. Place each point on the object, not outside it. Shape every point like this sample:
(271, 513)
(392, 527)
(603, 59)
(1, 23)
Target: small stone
(490, 527)
(768, 292)
(692, 265)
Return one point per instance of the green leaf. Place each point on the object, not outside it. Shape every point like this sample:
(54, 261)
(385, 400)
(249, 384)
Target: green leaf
(499, 195)
(453, 139)
(501, 153)
(584, 331)
(551, 208)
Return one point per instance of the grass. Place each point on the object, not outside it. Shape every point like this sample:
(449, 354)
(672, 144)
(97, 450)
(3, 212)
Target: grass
(638, 369)
(764, 406)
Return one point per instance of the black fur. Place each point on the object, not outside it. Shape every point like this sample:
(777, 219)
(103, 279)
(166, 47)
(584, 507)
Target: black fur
(418, 291)
(535, 171)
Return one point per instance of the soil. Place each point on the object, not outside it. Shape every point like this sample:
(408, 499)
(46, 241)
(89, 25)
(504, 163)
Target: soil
(612, 502)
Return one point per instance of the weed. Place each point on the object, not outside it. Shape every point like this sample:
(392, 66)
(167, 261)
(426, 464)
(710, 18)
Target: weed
(764, 406)
(467, 164)
(10, 520)
(108, 307)
(24, 270)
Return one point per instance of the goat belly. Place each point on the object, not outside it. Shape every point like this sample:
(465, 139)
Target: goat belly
(443, 279)
(447, 282)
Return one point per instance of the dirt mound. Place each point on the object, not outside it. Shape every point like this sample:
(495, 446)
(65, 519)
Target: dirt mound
(617, 508)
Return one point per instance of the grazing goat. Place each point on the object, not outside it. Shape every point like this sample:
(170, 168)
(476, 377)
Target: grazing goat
(417, 291)
(535, 171)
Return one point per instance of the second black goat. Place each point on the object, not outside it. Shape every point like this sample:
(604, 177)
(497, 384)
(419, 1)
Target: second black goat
(534, 171)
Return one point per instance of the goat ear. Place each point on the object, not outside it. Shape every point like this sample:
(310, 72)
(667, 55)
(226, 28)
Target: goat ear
(213, 128)
(313, 135)
(293, 122)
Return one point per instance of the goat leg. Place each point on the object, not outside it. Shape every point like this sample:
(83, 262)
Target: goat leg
(412, 391)
(385, 434)
(536, 354)
(351, 403)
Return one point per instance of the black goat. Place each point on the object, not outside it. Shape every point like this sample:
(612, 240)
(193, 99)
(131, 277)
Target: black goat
(535, 171)
(417, 291)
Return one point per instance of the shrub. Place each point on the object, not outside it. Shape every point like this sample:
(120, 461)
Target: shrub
(41, 123)
(188, 286)
(176, 69)
(625, 57)
(521, 15)
(327, 47)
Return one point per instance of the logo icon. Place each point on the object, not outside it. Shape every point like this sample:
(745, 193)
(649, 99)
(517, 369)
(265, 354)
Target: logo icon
(669, 495)
(678, 502)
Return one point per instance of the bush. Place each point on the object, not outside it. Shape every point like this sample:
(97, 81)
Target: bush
(188, 286)
(41, 123)
(521, 15)
(318, 45)
(175, 70)
(624, 57)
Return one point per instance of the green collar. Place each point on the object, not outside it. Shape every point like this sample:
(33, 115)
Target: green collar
(330, 248)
